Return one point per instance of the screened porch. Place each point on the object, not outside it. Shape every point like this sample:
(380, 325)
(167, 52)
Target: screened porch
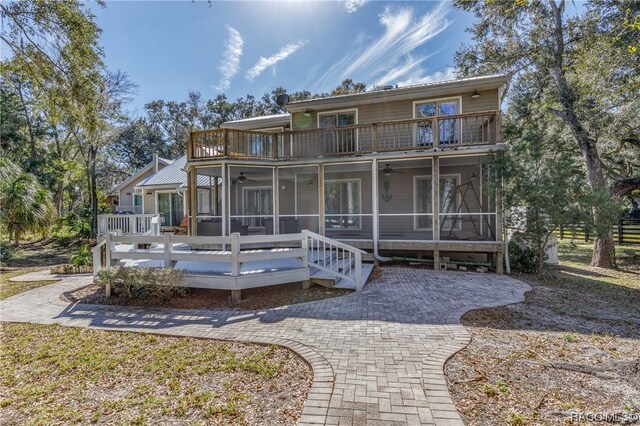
(383, 200)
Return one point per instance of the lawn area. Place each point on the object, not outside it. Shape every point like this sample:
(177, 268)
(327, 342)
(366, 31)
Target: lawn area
(51, 374)
(570, 347)
(8, 288)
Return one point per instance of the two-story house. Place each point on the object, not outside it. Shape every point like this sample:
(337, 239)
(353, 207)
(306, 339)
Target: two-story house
(396, 172)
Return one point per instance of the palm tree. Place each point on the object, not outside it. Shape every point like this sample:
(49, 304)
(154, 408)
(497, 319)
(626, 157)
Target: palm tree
(25, 205)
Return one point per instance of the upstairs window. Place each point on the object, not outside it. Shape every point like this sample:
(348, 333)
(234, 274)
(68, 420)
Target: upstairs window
(338, 141)
(448, 132)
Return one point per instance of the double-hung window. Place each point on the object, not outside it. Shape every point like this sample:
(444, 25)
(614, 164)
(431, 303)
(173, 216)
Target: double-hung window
(342, 204)
(338, 141)
(437, 110)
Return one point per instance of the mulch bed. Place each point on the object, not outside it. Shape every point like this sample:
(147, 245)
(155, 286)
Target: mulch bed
(570, 347)
(252, 299)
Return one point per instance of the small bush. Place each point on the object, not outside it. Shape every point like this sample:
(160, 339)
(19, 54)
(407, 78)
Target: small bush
(7, 251)
(523, 258)
(142, 283)
(82, 257)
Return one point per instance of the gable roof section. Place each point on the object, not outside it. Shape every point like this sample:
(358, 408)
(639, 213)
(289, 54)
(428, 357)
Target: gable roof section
(172, 176)
(402, 93)
(137, 175)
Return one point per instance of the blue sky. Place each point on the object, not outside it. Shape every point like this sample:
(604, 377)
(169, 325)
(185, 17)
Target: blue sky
(240, 48)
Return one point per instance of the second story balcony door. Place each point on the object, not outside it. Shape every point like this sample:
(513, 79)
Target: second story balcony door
(338, 141)
(436, 111)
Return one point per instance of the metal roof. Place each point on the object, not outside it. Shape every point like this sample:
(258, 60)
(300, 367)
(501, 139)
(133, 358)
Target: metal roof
(400, 93)
(172, 175)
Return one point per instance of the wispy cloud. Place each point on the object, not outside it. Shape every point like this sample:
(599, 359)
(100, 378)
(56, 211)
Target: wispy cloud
(352, 5)
(264, 63)
(390, 57)
(230, 62)
(447, 74)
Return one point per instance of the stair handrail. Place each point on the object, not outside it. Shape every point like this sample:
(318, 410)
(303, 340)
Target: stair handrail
(356, 277)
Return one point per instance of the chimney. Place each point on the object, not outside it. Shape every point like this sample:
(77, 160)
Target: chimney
(155, 162)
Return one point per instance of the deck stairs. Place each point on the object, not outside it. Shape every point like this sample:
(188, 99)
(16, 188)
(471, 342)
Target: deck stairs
(331, 259)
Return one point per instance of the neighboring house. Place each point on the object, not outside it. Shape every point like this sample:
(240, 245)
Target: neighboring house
(125, 198)
(392, 171)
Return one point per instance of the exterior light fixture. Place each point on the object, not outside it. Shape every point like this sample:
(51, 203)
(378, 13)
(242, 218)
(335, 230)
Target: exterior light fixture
(148, 192)
(307, 114)
(475, 94)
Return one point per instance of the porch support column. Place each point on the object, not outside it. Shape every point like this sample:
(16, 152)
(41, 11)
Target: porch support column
(276, 201)
(192, 195)
(225, 198)
(500, 254)
(435, 194)
(321, 226)
(374, 201)
(216, 196)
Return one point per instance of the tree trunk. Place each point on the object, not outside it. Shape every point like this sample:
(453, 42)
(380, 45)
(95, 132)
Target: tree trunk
(603, 243)
(93, 189)
(27, 117)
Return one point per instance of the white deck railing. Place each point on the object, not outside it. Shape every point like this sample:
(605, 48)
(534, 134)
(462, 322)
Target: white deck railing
(309, 248)
(129, 224)
(335, 257)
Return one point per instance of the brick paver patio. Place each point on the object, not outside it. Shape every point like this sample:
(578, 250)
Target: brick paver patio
(377, 355)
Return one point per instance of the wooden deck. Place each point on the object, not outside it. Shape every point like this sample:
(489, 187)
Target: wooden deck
(195, 272)
(231, 267)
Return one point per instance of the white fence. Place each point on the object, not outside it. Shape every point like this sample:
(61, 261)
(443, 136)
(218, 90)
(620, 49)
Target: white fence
(129, 224)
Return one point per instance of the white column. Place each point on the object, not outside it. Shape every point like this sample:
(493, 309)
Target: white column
(276, 200)
(374, 200)
(225, 199)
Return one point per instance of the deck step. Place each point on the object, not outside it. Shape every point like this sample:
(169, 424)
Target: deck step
(367, 268)
(329, 280)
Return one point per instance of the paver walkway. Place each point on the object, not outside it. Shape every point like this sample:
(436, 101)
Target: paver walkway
(377, 355)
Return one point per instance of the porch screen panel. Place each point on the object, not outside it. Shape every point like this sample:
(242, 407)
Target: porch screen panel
(466, 193)
(298, 199)
(405, 201)
(347, 201)
(251, 202)
(209, 201)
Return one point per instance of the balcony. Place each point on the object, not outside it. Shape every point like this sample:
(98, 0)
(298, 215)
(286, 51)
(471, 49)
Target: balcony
(443, 132)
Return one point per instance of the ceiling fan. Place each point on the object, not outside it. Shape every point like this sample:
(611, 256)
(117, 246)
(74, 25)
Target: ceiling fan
(388, 170)
(242, 178)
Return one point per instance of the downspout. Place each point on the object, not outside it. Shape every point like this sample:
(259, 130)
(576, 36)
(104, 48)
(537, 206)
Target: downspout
(505, 232)
(374, 206)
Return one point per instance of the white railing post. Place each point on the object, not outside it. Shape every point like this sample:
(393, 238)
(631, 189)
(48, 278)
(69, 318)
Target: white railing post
(132, 225)
(97, 257)
(109, 244)
(305, 247)
(358, 275)
(167, 250)
(235, 252)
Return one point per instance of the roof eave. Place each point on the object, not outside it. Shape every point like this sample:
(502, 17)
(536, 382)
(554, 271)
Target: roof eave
(401, 93)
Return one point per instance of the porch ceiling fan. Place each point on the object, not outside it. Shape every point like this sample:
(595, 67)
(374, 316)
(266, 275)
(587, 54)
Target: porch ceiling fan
(242, 178)
(388, 170)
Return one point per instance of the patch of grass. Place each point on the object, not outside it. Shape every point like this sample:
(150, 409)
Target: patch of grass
(515, 418)
(8, 288)
(570, 337)
(131, 378)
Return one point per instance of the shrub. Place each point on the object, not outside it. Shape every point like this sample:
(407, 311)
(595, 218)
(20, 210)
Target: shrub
(6, 252)
(523, 258)
(82, 257)
(142, 283)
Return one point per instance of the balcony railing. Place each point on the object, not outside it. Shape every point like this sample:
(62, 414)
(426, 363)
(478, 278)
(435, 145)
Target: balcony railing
(422, 133)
